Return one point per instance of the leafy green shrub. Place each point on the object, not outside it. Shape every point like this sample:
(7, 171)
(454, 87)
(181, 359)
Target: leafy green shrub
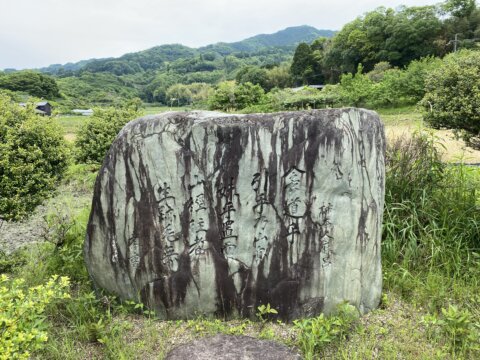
(229, 96)
(316, 333)
(22, 319)
(452, 98)
(98, 132)
(33, 157)
(356, 89)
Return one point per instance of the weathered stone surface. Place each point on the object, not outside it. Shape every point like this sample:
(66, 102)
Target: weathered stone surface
(228, 347)
(208, 213)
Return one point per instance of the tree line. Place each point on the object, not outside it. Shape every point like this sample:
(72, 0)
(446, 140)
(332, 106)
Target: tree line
(387, 35)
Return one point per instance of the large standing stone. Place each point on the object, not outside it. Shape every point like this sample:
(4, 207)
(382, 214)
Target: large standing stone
(208, 213)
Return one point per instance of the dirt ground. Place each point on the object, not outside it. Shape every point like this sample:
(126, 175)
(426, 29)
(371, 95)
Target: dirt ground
(454, 150)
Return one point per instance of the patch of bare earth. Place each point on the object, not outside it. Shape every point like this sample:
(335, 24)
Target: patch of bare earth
(454, 150)
(70, 137)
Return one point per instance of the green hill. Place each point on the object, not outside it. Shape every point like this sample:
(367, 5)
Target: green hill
(149, 73)
(282, 42)
(287, 38)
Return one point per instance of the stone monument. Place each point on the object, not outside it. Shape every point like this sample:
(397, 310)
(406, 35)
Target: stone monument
(203, 213)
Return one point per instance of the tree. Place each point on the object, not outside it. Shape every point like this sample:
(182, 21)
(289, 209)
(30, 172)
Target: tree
(200, 92)
(301, 68)
(229, 96)
(98, 132)
(452, 98)
(248, 94)
(254, 75)
(356, 89)
(223, 97)
(179, 95)
(279, 77)
(397, 37)
(33, 157)
(459, 8)
(31, 82)
(463, 26)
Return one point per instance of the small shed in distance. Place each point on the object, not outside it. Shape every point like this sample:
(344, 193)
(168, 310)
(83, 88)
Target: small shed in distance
(41, 108)
(44, 108)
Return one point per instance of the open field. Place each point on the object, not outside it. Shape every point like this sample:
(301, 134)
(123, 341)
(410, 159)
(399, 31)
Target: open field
(405, 121)
(398, 122)
(71, 124)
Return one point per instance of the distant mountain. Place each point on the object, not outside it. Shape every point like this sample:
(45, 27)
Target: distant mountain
(288, 37)
(68, 67)
(283, 42)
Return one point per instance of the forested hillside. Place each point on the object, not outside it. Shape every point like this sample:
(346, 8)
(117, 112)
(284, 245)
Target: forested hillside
(148, 74)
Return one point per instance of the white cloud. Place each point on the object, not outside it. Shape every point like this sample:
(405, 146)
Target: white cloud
(38, 33)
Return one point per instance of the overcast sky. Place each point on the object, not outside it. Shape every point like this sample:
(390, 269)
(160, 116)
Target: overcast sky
(36, 33)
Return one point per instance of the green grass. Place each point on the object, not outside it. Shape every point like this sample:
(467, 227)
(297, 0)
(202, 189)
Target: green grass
(406, 116)
(70, 124)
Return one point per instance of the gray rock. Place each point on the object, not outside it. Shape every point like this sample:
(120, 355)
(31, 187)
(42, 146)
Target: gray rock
(212, 214)
(229, 347)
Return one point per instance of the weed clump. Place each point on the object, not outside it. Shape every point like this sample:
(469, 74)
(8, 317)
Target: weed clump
(431, 239)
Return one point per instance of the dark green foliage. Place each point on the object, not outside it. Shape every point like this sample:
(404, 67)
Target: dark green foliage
(386, 35)
(156, 89)
(459, 8)
(98, 132)
(397, 37)
(90, 89)
(184, 59)
(301, 68)
(279, 76)
(229, 96)
(149, 59)
(67, 69)
(191, 94)
(308, 62)
(148, 74)
(384, 86)
(33, 157)
(254, 75)
(30, 82)
(452, 97)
